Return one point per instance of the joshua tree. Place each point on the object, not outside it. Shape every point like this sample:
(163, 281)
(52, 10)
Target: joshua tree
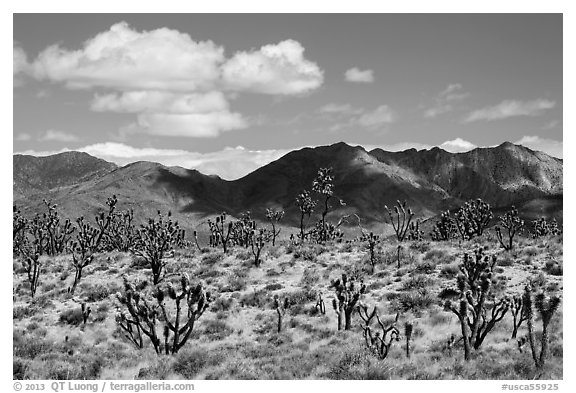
(544, 228)
(259, 239)
(323, 184)
(474, 285)
(281, 307)
(88, 240)
(445, 229)
(274, 216)
(379, 342)
(546, 308)
(347, 296)
(414, 232)
(220, 236)
(155, 239)
(513, 225)
(403, 218)
(371, 241)
(519, 313)
(143, 316)
(472, 218)
(306, 205)
(57, 235)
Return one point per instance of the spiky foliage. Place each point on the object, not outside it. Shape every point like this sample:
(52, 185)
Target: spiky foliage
(88, 240)
(30, 251)
(155, 239)
(306, 205)
(347, 295)
(414, 232)
(546, 308)
(274, 216)
(220, 232)
(259, 238)
(472, 218)
(58, 235)
(19, 224)
(281, 306)
(378, 342)
(519, 313)
(121, 234)
(477, 310)
(513, 224)
(401, 223)
(371, 241)
(143, 316)
(543, 228)
(323, 184)
(242, 228)
(445, 228)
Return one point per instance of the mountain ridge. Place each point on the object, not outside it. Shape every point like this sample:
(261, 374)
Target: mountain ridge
(431, 180)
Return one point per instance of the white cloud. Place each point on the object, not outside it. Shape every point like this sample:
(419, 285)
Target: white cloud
(359, 76)
(551, 125)
(20, 64)
(345, 109)
(272, 69)
(230, 163)
(510, 108)
(380, 116)
(60, 136)
(457, 145)
(123, 58)
(160, 102)
(198, 125)
(176, 86)
(446, 100)
(549, 146)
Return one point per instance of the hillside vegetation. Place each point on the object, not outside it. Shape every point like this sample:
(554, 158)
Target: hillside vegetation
(114, 300)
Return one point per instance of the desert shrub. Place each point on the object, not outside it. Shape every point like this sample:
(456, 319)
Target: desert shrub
(553, 268)
(189, 364)
(212, 258)
(28, 347)
(417, 282)
(426, 267)
(235, 283)
(71, 316)
(273, 287)
(506, 260)
(305, 253)
(310, 277)
(159, 369)
(216, 330)
(222, 304)
(97, 292)
(19, 368)
(255, 299)
(531, 251)
(415, 300)
(449, 271)
(420, 247)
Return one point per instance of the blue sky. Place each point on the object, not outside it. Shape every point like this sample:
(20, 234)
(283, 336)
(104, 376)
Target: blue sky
(227, 93)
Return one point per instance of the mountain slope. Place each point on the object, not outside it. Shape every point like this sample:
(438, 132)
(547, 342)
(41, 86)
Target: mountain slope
(41, 174)
(431, 181)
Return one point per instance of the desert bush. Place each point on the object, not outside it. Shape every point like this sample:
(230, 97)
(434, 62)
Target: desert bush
(553, 268)
(449, 271)
(71, 316)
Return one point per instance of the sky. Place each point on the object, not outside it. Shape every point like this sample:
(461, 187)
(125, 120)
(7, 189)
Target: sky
(227, 93)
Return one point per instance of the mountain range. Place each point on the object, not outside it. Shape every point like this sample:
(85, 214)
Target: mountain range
(431, 181)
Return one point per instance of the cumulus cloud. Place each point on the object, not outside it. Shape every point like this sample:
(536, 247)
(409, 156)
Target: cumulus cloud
(457, 145)
(378, 117)
(123, 58)
(199, 125)
(20, 64)
(176, 86)
(160, 102)
(359, 76)
(60, 136)
(23, 137)
(510, 108)
(446, 100)
(334, 108)
(230, 163)
(272, 69)
(549, 146)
